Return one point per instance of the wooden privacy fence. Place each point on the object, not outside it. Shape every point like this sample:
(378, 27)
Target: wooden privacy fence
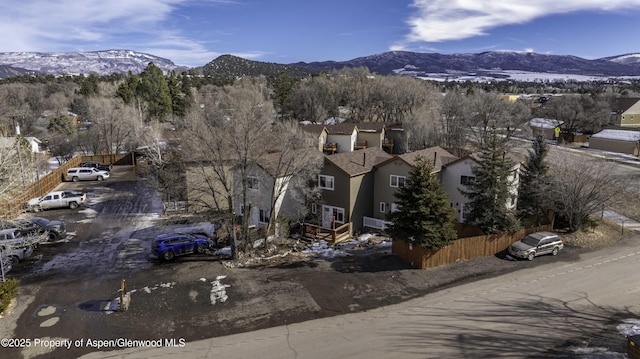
(462, 249)
(12, 206)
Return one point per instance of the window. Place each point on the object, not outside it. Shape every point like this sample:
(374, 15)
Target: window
(394, 207)
(314, 208)
(325, 182)
(253, 182)
(338, 214)
(397, 181)
(466, 180)
(383, 207)
(264, 216)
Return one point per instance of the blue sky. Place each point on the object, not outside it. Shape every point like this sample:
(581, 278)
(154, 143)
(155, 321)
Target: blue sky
(194, 32)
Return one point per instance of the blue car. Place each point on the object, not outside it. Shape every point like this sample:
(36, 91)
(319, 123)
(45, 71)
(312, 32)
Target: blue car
(168, 246)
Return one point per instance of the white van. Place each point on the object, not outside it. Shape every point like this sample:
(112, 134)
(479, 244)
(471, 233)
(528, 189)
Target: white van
(86, 174)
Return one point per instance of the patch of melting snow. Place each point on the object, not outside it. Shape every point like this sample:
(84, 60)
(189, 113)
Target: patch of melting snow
(218, 290)
(226, 251)
(112, 305)
(629, 327)
(89, 212)
(323, 249)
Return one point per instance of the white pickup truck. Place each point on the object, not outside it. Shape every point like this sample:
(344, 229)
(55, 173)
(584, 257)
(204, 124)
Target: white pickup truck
(57, 199)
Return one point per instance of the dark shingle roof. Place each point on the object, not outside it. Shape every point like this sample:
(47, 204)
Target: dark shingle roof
(442, 157)
(341, 129)
(621, 104)
(358, 162)
(315, 129)
(371, 126)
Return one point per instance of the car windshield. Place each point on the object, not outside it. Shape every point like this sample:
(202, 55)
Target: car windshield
(530, 241)
(40, 221)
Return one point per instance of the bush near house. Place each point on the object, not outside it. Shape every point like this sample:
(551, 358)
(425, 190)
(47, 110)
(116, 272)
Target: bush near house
(8, 291)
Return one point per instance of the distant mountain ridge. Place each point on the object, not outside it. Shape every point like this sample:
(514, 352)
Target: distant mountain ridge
(492, 64)
(75, 63)
(420, 64)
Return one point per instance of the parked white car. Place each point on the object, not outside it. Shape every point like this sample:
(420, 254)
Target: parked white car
(76, 174)
(57, 199)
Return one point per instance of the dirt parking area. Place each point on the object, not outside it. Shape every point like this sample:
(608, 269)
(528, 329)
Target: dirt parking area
(69, 289)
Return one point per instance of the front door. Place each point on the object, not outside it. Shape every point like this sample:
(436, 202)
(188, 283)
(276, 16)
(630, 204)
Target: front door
(330, 213)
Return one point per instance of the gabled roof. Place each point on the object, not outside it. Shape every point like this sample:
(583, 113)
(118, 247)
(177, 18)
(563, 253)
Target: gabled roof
(341, 129)
(548, 123)
(315, 129)
(358, 162)
(514, 157)
(269, 162)
(622, 104)
(441, 156)
(628, 135)
(375, 127)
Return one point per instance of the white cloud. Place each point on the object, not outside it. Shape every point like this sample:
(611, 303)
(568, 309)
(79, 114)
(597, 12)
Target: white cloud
(442, 20)
(89, 25)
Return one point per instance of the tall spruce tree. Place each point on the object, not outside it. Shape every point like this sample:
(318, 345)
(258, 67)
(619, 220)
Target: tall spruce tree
(490, 192)
(534, 180)
(424, 215)
(154, 89)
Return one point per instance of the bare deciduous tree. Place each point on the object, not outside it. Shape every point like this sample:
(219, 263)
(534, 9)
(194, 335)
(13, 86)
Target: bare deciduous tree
(226, 139)
(581, 188)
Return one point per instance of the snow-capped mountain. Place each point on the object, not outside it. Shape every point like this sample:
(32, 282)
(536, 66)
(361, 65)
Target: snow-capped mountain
(627, 59)
(491, 64)
(75, 63)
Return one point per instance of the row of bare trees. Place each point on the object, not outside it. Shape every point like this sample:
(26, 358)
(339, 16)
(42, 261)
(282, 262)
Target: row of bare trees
(226, 131)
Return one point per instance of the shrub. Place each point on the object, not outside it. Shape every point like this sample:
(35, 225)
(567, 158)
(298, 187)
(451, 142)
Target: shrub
(8, 291)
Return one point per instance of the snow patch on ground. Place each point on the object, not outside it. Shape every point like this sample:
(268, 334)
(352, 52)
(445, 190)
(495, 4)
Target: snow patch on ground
(323, 249)
(218, 290)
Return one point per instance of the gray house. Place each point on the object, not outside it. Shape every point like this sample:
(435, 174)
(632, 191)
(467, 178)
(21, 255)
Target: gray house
(347, 185)
(391, 175)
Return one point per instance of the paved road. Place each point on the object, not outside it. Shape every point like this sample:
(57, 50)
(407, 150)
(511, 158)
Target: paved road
(528, 313)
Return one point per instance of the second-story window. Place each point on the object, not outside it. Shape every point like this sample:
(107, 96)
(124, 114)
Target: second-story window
(253, 182)
(397, 181)
(466, 180)
(325, 182)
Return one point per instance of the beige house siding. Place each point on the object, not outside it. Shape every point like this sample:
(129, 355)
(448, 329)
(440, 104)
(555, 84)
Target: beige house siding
(610, 145)
(631, 117)
(203, 195)
(374, 139)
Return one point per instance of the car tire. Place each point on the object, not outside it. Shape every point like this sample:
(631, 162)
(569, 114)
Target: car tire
(555, 251)
(200, 248)
(52, 236)
(14, 260)
(100, 178)
(75, 179)
(73, 205)
(531, 255)
(168, 255)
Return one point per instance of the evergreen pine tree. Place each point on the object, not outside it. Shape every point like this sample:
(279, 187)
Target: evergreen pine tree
(424, 215)
(155, 91)
(534, 180)
(490, 193)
